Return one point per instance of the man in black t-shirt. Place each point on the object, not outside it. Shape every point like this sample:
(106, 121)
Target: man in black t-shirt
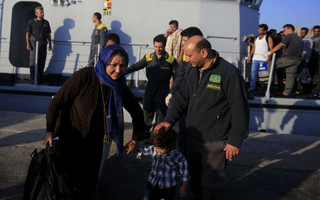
(38, 29)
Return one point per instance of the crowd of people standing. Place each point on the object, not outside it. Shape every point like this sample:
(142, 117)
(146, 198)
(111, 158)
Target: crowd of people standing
(85, 123)
(188, 82)
(296, 69)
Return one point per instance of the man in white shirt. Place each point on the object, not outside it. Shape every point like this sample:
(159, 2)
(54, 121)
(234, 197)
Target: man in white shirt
(261, 46)
(173, 35)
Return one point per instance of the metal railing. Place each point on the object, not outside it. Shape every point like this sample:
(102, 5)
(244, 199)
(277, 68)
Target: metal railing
(244, 68)
(244, 73)
(270, 76)
(36, 64)
(221, 37)
(136, 50)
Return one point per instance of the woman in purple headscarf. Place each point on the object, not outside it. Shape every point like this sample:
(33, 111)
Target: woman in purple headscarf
(85, 117)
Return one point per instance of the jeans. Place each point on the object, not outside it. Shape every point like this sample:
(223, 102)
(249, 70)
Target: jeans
(254, 72)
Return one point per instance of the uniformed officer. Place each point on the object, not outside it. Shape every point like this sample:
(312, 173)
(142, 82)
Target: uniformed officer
(38, 29)
(160, 68)
(98, 37)
(214, 98)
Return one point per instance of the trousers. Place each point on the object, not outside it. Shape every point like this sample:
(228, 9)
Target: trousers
(291, 68)
(207, 167)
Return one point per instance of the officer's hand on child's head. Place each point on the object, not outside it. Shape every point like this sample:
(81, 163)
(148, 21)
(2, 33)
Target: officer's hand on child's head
(155, 131)
(161, 128)
(166, 126)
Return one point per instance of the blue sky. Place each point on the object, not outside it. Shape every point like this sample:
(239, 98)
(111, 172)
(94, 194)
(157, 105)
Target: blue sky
(276, 13)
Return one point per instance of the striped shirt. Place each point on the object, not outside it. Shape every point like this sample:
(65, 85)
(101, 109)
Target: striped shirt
(166, 168)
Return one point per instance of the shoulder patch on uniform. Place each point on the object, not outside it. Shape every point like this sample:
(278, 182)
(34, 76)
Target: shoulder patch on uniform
(149, 56)
(170, 59)
(215, 78)
(101, 26)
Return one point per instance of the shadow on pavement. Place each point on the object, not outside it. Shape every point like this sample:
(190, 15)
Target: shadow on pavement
(13, 139)
(11, 193)
(276, 169)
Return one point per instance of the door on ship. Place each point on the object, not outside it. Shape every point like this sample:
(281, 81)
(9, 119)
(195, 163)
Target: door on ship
(22, 12)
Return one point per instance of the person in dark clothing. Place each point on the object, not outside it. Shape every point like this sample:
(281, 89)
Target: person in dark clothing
(217, 116)
(160, 68)
(183, 69)
(183, 66)
(38, 30)
(85, 118)
(98, 38)
(315, 62)
(291, 59)
(315, 55)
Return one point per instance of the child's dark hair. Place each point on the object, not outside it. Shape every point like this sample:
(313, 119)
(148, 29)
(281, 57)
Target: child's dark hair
(164, 139)
(113, 37)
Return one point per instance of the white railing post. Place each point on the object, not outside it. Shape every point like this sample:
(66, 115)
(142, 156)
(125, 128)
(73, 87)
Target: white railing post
(137, 78)
(96, 56)
(244, 70)
(270, 76)
(36, 64)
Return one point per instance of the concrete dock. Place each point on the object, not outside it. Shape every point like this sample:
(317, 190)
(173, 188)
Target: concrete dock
(270, 166)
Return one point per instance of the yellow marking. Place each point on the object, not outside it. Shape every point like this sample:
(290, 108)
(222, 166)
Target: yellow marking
(213, 86)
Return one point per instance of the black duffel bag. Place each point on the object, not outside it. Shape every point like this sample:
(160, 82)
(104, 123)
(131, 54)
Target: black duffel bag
(45, 181)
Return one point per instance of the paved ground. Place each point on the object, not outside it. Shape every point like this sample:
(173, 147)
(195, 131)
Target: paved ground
(270, 166)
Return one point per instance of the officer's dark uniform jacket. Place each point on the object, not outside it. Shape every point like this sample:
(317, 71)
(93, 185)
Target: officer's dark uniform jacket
(159, 72)
(98, 36)
(182, 71)
(216, 103)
